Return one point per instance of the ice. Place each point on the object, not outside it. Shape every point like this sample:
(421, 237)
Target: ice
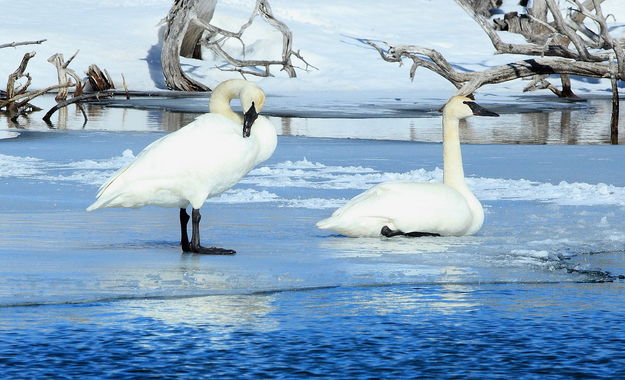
(543, 223)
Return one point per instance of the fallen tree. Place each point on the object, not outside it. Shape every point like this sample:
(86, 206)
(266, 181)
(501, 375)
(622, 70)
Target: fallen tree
(575, 43)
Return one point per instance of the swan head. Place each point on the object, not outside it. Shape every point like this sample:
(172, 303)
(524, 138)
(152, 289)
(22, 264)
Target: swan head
(252, 101)
(461, 107)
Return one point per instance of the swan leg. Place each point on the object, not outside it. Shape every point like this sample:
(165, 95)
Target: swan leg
(184, 237)
(195, 246)
(390, 233)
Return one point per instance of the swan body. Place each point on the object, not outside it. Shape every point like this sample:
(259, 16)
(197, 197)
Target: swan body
(199, 161)
(419, 209)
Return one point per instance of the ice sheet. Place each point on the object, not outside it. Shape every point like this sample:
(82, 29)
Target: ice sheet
(551, 213)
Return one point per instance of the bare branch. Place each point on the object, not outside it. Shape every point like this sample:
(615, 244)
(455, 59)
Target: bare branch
(27, 97)
(262, 9)
(65, 75)
(18, 73)
(554, 50)
(14, 44)
(468, 82)
(75, 99)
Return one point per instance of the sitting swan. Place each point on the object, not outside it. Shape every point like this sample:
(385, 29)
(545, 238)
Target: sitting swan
(199, 161)
(419, 209)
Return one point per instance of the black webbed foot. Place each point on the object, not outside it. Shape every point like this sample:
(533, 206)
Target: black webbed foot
(194, 246)
(211, 250)
(386, 231)
(389, 233)
(421, 234)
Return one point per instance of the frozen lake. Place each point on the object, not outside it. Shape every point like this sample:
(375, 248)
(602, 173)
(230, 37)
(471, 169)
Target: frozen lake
(538, 291)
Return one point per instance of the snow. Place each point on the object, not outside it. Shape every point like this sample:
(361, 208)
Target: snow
(328, 35)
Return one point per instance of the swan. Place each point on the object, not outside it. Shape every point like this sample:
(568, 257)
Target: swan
(419, 209)
(201, 160)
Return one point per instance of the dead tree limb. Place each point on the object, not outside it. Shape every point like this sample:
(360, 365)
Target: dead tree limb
(75, 99)
(178, 21)
(16, 101)
(555, 55)
(17, 74)
(468, 82)
(14, 44)
(575, 43)
(189, 28)
(98, 79)
(28, 96)
(218, 36)
(65, 76)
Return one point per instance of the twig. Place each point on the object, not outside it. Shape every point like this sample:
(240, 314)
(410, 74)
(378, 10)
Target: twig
(14, 44)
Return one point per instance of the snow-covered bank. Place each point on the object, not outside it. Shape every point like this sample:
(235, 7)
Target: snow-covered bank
(122, 36)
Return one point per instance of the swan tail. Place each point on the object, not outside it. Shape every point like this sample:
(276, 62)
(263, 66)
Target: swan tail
(102, 202)
(98, 204)
(95, 205)
(326, 224)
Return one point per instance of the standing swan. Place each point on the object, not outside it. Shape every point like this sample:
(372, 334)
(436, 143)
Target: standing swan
(199, 161)
(419, 209)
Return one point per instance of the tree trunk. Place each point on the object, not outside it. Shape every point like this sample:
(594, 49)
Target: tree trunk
(190, 46)
(180, 16)
(567, 91)
(615, 113)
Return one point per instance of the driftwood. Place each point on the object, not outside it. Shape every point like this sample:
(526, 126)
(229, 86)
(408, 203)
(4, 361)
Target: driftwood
(15, 101)
(106, 94)
(177, 23)
(65, 75)
(556, 55)
(189, 20)
(190, 47)
(75, 100)
(468, 82)
(98, 79)
(564, 46)
(17, 74)
(217, 36)
(14, 44)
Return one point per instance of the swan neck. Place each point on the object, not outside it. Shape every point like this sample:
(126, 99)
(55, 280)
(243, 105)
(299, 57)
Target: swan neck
(453, 172)
(220, 101)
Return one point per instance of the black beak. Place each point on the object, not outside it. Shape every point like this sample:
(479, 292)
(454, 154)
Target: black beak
(248, 119)
(478, 110)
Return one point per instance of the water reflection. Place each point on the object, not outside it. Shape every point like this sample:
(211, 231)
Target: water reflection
(582, 125)
(577, 126)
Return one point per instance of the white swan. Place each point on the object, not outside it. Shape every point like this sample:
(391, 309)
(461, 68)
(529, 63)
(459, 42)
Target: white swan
(200, 160)
(419, 209)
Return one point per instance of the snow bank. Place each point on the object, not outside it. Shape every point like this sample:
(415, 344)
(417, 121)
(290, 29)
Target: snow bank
(122, 37)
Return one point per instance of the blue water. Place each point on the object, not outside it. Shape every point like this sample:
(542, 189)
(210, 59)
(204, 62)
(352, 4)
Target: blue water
(443, 331)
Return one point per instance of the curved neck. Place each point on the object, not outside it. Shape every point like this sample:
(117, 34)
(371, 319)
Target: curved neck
(220, 100)
(453, 172)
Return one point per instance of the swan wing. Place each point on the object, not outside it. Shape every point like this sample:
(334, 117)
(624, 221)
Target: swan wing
(203, 158)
